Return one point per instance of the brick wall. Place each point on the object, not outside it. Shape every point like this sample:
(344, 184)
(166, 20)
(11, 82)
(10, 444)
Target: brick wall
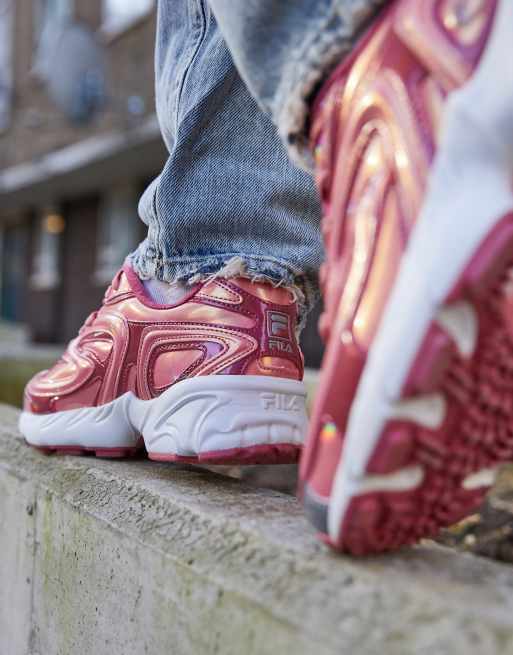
(37, 126)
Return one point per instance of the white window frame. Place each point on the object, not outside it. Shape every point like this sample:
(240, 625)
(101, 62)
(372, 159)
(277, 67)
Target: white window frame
(114, 24)
(118, 230)
(46, 262)
(46, 25)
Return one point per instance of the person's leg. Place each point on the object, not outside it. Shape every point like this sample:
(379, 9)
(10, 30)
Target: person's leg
(228, 197)
(285, 50)
(195, 347)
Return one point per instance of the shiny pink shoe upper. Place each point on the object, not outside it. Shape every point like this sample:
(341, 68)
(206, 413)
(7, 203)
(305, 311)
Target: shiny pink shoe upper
(374, 132)
(223, 327)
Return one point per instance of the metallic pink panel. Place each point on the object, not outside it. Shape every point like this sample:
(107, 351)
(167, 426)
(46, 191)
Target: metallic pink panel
(170, 365)
(229, 327)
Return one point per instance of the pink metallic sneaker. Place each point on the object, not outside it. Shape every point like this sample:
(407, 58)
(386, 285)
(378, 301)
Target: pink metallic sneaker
(415, 407)
(214, 379)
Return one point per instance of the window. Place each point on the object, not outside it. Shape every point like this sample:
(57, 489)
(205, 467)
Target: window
(49, 17)
(118, 231)
(45, 270)
(47, 13)
(13, 260)
(118, 15)
(6, 43)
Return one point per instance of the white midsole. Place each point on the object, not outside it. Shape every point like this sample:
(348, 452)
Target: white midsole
(198, 415)
(469, 191)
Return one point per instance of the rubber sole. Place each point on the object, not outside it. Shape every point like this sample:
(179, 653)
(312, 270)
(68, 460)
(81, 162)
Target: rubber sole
(275, 454)
(102, 453)
(205, 420)
(474, 392)
(252, 455)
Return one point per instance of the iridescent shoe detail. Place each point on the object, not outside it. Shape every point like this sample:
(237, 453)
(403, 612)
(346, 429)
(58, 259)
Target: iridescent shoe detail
(215, 378)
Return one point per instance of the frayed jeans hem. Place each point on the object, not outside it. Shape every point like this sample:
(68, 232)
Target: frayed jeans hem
(192, 270)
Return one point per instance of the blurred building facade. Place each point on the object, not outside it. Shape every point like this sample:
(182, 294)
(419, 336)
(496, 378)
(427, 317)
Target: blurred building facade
(69, 185)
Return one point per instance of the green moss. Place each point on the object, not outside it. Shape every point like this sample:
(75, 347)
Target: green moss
(14, 375)
(59, 606)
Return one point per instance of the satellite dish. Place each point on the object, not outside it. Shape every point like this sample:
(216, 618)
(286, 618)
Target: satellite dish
(75, 72)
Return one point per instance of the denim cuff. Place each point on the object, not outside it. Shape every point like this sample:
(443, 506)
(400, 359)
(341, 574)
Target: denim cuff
(190, 270)
(329, 40)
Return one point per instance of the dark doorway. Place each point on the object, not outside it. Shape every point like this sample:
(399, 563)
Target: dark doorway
(80, 294)
(14, 272)
(311, 342)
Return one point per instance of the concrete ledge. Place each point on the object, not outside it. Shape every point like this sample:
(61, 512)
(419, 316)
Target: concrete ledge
(134, 557)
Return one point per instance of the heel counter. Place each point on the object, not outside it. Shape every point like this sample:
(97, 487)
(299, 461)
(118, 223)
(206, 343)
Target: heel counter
(279, 353)
(277, 367)
(267, 314)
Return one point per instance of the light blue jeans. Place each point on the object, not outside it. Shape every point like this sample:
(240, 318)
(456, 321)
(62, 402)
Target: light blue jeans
(231, 78)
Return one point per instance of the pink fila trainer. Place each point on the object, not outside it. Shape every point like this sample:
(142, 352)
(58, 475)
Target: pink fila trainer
(215, 378)
(413, 136)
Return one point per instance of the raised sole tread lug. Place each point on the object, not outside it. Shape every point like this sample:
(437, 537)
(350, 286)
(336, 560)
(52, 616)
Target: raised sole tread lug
(476, 435)
(251, 455)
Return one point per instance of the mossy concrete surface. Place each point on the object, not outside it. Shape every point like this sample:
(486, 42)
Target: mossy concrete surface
(14, 375)
(20, 359)
(135, 557)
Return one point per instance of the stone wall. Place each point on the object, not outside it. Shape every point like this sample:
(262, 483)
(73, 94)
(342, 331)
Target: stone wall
(135, 557)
